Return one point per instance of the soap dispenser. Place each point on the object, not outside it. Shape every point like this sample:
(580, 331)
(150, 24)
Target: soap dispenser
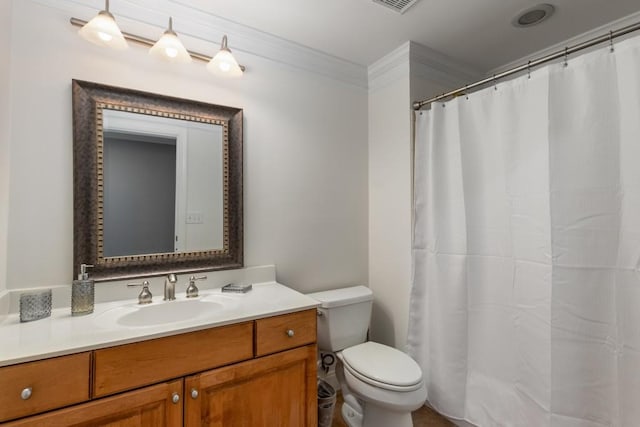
(82, 293)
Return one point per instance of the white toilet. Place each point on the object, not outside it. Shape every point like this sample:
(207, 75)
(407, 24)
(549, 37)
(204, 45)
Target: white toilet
(380, 385)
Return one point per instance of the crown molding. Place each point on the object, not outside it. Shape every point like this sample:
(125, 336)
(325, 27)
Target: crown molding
(412, 59)
(392, 67)
(430, 64)
(148, 18)
(596, 32)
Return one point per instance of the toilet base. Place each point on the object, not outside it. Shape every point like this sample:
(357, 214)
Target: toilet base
(350, 416)
(375, 416)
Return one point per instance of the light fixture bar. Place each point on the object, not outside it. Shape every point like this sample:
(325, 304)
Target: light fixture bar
(148, 42)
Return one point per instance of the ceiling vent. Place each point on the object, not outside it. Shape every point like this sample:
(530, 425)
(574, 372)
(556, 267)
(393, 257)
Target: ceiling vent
(533, 15)
(400, 6)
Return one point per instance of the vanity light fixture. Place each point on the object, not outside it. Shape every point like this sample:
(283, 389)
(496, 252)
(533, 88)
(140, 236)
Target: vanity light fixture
(169, 47)
(103, 30)
(223, 64)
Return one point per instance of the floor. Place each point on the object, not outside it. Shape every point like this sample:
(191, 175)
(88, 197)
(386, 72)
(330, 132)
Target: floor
(423, 417)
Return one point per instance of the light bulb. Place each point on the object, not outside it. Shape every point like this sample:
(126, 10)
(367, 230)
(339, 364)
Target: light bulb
(103, 31)
(223, 64)
(104, 36)
(169, 47)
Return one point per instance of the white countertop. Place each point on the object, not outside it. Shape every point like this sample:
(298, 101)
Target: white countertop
(63, 334)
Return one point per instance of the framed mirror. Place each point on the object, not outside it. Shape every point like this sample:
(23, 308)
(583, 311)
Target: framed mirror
(157, 183)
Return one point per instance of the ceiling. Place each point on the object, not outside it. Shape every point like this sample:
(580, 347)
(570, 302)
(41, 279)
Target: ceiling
(477, 33)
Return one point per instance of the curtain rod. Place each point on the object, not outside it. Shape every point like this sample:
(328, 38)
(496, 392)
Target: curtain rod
(529, 65)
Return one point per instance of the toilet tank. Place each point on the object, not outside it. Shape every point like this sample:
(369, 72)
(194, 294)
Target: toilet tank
(344, 315)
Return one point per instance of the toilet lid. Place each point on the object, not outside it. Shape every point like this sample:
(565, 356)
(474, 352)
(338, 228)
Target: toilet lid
(382, 366)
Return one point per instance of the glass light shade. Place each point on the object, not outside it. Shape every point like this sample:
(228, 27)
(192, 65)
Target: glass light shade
(170, 48)
(103, 31)
(223, 64)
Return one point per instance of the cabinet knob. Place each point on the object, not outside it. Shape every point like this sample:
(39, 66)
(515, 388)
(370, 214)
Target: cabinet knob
(194, 393)
(26, 393)
(175, 397)
(290, 332)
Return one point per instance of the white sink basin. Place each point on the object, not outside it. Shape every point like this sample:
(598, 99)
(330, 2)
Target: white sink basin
(161, 313)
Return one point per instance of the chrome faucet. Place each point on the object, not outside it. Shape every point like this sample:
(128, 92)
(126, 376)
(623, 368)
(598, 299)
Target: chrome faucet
(170, 287)
(145, 294)
(192, 289)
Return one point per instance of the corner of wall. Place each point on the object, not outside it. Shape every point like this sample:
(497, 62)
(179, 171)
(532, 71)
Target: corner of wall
(429, 64)
(4, 303)
(5, 134)
(390, 194)
(406, 74)
(391, 68)
(433, 72)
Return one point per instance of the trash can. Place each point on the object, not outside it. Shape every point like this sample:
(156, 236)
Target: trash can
(326, 403)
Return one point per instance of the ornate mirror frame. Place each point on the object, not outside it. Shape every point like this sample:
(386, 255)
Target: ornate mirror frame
(89, 101)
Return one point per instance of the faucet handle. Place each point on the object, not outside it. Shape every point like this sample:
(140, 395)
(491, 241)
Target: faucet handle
(192, 289)
(145, 296)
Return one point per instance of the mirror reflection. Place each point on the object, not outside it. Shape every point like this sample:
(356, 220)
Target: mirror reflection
(162, 185)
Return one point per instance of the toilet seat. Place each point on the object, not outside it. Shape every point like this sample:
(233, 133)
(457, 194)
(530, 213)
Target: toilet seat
(382, 366)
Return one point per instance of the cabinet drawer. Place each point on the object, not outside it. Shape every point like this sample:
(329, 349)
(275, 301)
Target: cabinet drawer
(53, 383)
(279, 333)
(148, 406)
(133, 365)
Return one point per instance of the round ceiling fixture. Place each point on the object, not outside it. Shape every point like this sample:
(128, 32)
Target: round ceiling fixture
(533, 15)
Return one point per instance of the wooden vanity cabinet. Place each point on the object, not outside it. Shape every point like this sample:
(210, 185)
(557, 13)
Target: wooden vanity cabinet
(279, 333)
(34, 387)
(273, 391)
(143, 363)
(254, 374)
(277, 390)
(148, 406)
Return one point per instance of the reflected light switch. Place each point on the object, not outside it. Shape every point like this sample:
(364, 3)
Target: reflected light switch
(194, 218)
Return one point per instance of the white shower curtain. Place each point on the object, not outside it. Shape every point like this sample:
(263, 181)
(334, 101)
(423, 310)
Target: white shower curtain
(525, 305)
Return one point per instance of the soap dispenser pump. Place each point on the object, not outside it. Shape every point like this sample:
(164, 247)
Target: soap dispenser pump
(82, 293)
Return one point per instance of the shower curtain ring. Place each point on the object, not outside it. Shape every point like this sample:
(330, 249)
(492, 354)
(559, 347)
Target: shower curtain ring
(495, 84)
(529, 69)
(611, 48)
(466, 94)
(566, 56)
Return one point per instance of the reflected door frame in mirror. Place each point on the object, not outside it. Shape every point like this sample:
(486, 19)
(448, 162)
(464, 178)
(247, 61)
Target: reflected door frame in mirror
(89, 102)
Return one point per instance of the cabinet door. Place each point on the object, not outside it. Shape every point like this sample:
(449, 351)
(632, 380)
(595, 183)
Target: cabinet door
(154, 406)
(273, 391)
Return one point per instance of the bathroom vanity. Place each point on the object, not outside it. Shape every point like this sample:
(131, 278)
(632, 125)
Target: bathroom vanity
(249, 361)
(216, 360)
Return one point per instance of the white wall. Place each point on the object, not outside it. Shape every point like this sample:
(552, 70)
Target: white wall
(5, 132)
(410, 73)
(390, 196)
(305, 184)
